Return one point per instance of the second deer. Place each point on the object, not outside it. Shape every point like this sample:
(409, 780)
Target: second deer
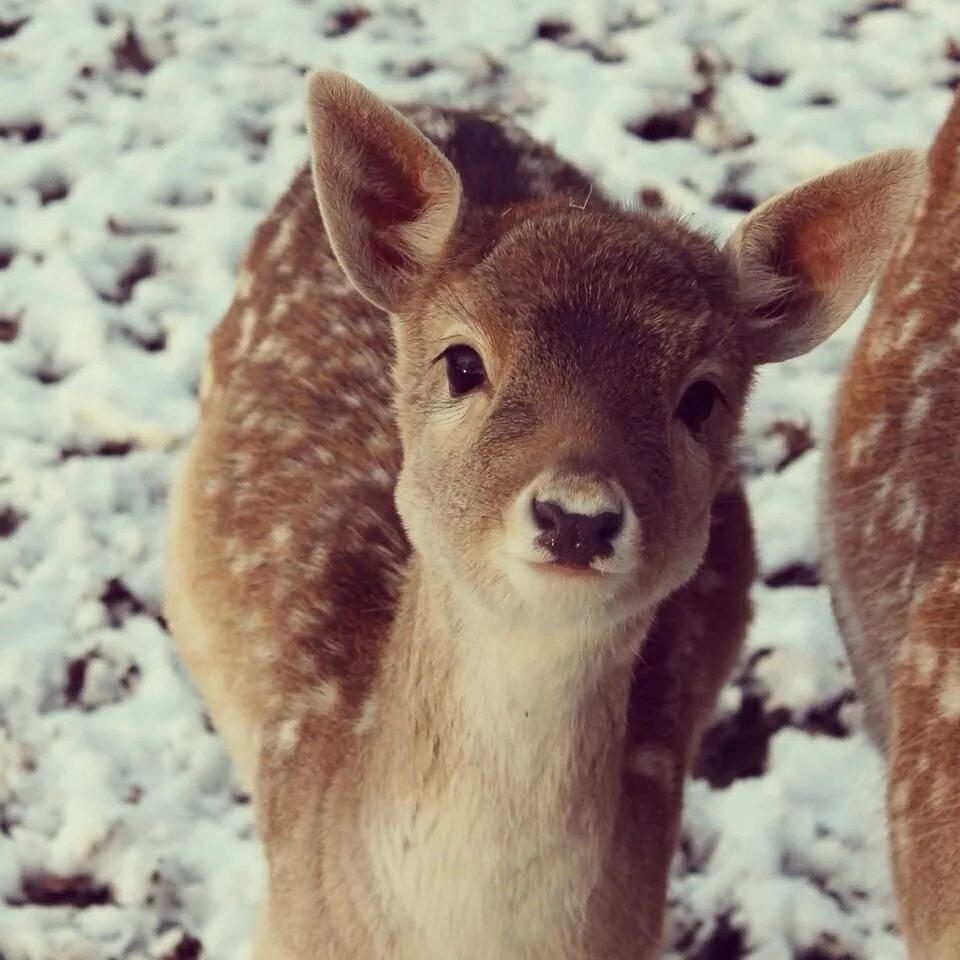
(892, 547)
(459, 557)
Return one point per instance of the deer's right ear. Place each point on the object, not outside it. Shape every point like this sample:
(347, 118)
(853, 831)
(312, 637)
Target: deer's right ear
(389, 199)
(806, 258)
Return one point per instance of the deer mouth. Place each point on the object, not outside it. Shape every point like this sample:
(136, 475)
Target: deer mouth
(568, 570)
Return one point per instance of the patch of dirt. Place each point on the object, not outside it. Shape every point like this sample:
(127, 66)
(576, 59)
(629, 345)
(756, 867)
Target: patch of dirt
(130, 55)
(796, 575)
(10, 28)
(9, 328)
(10, 519)
(52, 190)
(725, 942)
(346, 20)
(121, 602)
(665, 125)
(737, 746)
(109, 448)
(189, 948)
(144, 265)
(50, 890)
(29, 131)
(768, 78)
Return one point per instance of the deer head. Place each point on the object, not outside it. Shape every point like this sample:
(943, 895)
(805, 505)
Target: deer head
(570, 378)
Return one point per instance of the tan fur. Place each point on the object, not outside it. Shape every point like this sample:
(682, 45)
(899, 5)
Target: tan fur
(892, 539)
(458, 748)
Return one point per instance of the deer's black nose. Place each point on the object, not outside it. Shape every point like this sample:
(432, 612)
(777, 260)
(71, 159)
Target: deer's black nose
(575, 539)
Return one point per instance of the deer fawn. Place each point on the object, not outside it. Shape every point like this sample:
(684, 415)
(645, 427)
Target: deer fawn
(892, 547)
(458, 556)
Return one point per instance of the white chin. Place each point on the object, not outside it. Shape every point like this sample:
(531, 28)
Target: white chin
(554, 594)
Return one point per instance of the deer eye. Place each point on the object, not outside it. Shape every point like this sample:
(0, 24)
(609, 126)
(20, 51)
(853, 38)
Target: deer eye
(697, 404)
(465, 370)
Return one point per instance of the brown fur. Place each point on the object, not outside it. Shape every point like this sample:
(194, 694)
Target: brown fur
(893, 546)
(453, 752)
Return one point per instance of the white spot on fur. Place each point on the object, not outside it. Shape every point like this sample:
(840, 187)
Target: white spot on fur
(300, 364)
(942, 790)
(368, 714)
(244, 561)
(244, 284)
(920, 526)
(252, 420)
(293, 432)
(301, 289)
(929, 360)
(299, 619)
(654, 763)
(879, 344)
(904, 654)
(318, 556)
(866, 438)
(213, 486)
(919, 408)
(248, 320)
(281, 243)
(266, 653)
(884, 489)
(910, 234)
(271, 347)
(925, 661)
(909, 327)
(325, 697)
(242, 463)
(910, 514)
(278, 308)
(913, 286)
(381, 477)
(288, 734)
(906, 577)
(281, 534)
(949, 698)
(245, 402)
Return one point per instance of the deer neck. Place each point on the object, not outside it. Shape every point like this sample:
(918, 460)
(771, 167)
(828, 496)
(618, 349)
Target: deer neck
(501, 750)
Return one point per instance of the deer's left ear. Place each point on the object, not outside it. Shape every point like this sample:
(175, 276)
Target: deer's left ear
(389, 199)
(806, 258)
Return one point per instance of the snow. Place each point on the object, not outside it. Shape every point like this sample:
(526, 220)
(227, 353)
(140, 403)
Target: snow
(140, 141)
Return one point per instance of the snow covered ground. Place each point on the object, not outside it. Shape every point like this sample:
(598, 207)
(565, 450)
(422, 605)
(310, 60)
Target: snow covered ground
(140, 141)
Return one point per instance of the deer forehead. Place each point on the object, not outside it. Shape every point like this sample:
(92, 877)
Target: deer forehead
(593, 293)
(615, 258)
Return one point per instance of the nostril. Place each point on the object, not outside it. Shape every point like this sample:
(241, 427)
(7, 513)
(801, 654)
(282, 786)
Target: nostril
(607, 525)
(548, 516)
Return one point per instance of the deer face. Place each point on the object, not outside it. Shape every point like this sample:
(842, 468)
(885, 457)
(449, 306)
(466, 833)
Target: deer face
(568, 406)
(569, 382)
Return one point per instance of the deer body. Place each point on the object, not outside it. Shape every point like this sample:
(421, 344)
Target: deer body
(458, 557)
(892, 547)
